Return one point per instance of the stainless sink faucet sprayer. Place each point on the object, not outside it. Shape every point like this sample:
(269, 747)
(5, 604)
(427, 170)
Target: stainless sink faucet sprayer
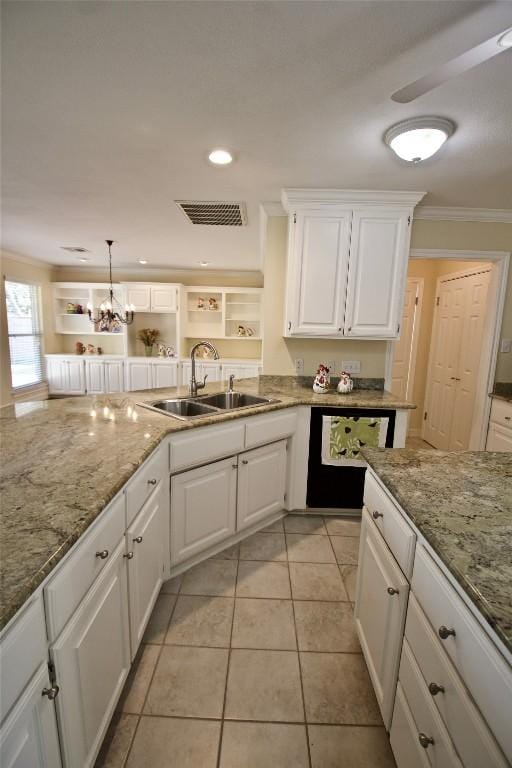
(194, 385)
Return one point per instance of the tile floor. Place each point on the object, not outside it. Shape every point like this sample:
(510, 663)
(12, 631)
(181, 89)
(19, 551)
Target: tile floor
(251, 660)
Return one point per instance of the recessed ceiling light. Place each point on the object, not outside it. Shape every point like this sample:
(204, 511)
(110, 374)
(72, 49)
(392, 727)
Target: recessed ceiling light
(142, 261)
(417, 139)
(220, 157)
(506, 39)
(81, 258)
(204, 263)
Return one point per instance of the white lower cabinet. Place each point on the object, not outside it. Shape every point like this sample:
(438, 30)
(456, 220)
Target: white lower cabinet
(499, 438)
(210, 369)
(92, 660)
(261, 483)
(28, 738)
(65, 377)
(94, 377)
(151, 374)
(403, 736)
(245, 371)
(203, 508)
(381, 605)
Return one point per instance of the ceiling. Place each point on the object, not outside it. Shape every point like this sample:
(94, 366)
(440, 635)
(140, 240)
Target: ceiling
(109, 109)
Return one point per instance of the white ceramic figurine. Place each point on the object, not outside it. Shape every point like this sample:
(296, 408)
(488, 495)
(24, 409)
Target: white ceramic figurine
(345, 383)
(321, 382)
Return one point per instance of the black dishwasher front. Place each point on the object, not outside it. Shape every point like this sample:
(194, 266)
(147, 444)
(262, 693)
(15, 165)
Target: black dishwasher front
(337, 487)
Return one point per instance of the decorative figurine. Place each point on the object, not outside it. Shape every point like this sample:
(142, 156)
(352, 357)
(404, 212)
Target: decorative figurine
(79, 309)
(321, 382)
(162, 350)
(79, 348)
(241, 331)
(170, 352)
(200, 303)
(90, 349)
(104, 325)
(116, 326)
(212, 303)
(345, 383)
(99, 351)
(71, 308)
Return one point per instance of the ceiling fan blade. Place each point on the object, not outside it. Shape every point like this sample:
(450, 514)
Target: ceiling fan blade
(482, 52)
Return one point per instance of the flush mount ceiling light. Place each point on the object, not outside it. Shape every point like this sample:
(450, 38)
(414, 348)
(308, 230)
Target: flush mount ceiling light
(506, 40)
(220, 157)
(142, 261)
(204, 263)
(417, 139)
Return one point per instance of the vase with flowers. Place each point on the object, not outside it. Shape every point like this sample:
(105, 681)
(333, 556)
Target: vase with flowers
(149, 337)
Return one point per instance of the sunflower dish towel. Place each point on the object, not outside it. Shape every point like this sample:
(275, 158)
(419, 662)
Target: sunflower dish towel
(344, 436)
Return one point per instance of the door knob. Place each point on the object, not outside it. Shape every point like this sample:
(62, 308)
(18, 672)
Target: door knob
(393, 591)
(137, 539)
(244, 461)
(51, 693)
(152, 481)
(376, 515)
(129, 555)
(103, 554)
(444, 633)
(434, 689)
(425, 740)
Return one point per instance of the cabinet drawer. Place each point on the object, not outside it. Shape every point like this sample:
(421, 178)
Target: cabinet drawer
(149, 477)
(397, 533)
(501, 413)
(440, 752)
(470, 735)
(66, 589)
(273, 426)
(22, 649)
(483, 669)
(206, 444)
(403, 736)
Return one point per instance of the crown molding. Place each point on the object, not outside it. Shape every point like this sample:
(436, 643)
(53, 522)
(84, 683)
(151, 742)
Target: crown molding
(446, 254)
(11, 256)
(439, 213)
(301, 197)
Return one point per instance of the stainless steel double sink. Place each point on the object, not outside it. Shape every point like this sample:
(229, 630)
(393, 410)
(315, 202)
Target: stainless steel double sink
(206, 405)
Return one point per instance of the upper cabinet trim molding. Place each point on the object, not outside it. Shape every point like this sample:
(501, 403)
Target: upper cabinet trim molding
(438, 213)
(293, 199)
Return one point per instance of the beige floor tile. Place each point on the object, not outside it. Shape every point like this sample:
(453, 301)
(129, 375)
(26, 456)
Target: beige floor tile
(264, 685)
(345, 746)
(163, 742)
(303, 548)
(276, 527)
(264, 745)
(316, 581)
(263, 546)
(338, 526)
(263, 624)
(304, 524)
(117, 741)
(212, 577)
(201, 620)
(188, 682)
(326, 627)
(260, 579)
(160, 618)
(137, 684)
(337, 689)
(349, 576)
(172, 586)
(230, 553)
(346, 549)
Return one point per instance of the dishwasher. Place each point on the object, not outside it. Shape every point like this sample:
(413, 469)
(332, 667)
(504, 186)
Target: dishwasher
(338, 487)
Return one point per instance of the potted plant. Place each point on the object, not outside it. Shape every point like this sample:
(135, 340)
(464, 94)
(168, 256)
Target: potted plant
(149, 337)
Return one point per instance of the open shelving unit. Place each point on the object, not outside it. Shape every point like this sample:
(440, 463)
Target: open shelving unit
(237, 314)
(76, 323)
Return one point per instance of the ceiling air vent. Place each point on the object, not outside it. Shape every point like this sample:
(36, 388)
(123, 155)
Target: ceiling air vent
(214, 213)
(74, 249)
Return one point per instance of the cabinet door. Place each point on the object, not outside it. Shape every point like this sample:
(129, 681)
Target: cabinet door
(379, 251)
(140, 297)
(381, 604)
(317, 274)
(165, 374)
(76, 377)
(499, 438)
(261, 483)
(145, 538)
(92, 659)
(114, 376)
(404, 736)
(94, 377)
(164, 298)
(239, 371)
(186, 369)
(139, 375)
(56, 371)
(203, 508)
(28, 738)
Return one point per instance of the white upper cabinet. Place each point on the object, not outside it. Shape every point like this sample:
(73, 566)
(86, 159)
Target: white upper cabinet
(347, 261)
(152, 298)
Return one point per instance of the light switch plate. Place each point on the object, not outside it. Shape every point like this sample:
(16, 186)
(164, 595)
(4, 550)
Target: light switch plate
(506, 345)
(332, 368)
(299, 366)
(351, 366)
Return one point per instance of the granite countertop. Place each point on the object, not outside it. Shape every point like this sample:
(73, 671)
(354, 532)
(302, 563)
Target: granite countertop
(499, 396)
(462, 504)
(61, 466)
(502, 391)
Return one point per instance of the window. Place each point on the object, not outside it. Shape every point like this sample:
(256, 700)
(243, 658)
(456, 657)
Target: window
(25, 333)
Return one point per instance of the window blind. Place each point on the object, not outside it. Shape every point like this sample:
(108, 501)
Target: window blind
(25, 333)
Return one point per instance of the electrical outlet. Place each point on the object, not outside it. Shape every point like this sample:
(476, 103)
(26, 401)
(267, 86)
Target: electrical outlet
(506, 345)
(299, 366)
(351, 366)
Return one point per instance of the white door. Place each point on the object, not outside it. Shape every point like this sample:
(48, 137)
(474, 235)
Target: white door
(317, 274)
(165, 374)
(203, 508)
(140, 297)
(376, 273)
(499, 438)
(381, 605)
(94, 377)
(261, 483)
(164, 298)
(139, 375)
(76, 377)
(404, 350)
(113, 373)
(28, 738)
(145, 539)
(57, 373)
(92, 660)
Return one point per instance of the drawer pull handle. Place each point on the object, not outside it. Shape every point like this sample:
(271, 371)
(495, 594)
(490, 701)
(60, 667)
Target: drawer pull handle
(393, 591)
(51, 693)
(102, 554)
(507, 418)
(425, 740)
(376, 515)
(235, 466)
(137, 539)
(434, 689)
(153, 481)
(444, 633)
(129, 555)
(244, 461)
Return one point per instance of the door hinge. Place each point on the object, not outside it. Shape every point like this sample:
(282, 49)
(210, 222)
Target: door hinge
(398, 328)
(285, 496)
(425, 416)
(51, 673)
(294, 218)
(408, 221)
(417, 300)
(437, 301)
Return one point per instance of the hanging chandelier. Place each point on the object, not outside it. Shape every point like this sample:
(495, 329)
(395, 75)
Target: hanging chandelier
(110, 308)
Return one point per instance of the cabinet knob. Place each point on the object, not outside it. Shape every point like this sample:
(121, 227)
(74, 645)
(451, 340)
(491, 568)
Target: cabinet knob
(235, 466)
(349, 328)
(137, 539)
(129, 555)
(507, 418)
(153, 481)
(51, 693)
(289, 325)
(244, 461)
(434, 688)
(376, 515)
(103, 554)
(425, 740)
(393, 591)
(444, 633)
